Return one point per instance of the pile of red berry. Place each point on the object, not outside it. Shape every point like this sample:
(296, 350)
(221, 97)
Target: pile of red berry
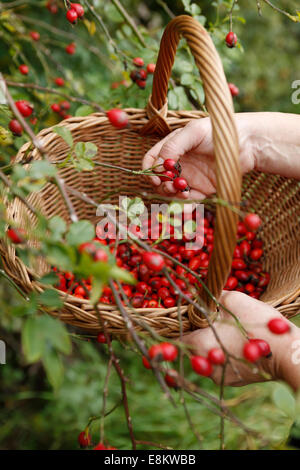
(25, 109)
(62, 109)
(139, 74)
(187, 267)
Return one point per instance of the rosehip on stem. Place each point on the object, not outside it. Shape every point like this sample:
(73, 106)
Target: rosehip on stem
(201, 365)
(231, 39)
(24, 69)
(118, 118)
(72, 16)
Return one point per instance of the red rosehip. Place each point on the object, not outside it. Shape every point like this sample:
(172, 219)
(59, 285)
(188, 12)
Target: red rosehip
(71, 48)
(141, 84)
(65, 105)
(152, 303)
(169, 302)
(138, 62)
(249, 288)
(101, 255)
(153, 261)
(201, 365)
(231, 283)
(252, 222)
(35, 35)
(79, 291)
(84, 439)
(78, 8)
(143, 74)
(100, 446)
(263, 346)
(52, 7)
(24, 107)
(278, 326)
(256, 254)
(252, 351)
(118, 118)
(14, 235)
(151, 68)
(59, 81)
(245, 247)
(233, 89)
(101, 338)
(24, 69)
(163, 293)
(167, 176)
(216, 356)
(146, 363)
(238, 263)
(231, 39)
(171, 165)
(181, 184)
(87, 247)
(15, 127)
(156, 352)
(72, 16)
(169, 352)
(55, 108)
(170, 379)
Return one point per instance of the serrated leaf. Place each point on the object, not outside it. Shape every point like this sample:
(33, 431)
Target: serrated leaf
(97, 286)
(54, 368)
(80, 232)
(41, 169)
(84, 110)
(64, 134)
(50, 298)
(122, 274)
(32, 339)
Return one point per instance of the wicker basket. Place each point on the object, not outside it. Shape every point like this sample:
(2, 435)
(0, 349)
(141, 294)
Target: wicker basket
(275, 199)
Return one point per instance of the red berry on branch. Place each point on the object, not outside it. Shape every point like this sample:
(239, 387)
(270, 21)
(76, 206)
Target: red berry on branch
(134, 75)
(24, 107)
(24, 69)
(231, 39)
(151, 68)
(156, 352)
(84, 439)
(78, 8)
(35, 35)
(118, 118)
(52, 7)
(170, 379)
(171, 165)
(216, 356)
(233, 89)
(100, 446)
(278, 326)
(138, 62)
(252, 351)
(101, 338)
(146, 363)
(72, 16)
(59, 81)
(167, 176)
(87, 247)
(14, 235)
(153, 261)
(71, 48)
(252, 222)
(181, 184)
(201, 365)
(143, 74)
(55, 108)
(15, 127)
(141, 84)
(263, 346)
(169, 352)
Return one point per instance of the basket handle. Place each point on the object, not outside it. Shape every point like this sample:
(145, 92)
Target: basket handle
(225, 139)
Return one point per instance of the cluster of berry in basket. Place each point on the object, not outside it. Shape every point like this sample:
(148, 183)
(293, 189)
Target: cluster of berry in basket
(161, 277)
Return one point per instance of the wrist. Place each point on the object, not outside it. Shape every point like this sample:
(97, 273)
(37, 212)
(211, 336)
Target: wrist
(288, 358)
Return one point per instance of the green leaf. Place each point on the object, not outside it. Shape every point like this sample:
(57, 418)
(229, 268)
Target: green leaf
(56, 334)
(50, 298)
(187, 79)
(64, 134)
(50, 278)
(42, 169)
(284, 400)
(61, 256)
(54, 368)
(85, 150)
(97, 286)
(32, 339)
(58, 226)
(84, 110)
(80, 232)
(122, 274)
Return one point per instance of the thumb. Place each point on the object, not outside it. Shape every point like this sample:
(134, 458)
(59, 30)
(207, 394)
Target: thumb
(188, 138)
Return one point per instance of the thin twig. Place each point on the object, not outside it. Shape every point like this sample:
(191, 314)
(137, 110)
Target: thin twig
(129, 21)
(105, 393)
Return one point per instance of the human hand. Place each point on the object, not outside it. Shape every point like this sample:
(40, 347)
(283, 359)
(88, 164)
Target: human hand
(254, 315)
(268, 142)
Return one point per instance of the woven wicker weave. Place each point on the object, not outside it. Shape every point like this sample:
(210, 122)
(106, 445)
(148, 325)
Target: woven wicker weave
(275, 199)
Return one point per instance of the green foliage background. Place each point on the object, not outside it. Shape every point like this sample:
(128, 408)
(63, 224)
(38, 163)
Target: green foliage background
(33, 415)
